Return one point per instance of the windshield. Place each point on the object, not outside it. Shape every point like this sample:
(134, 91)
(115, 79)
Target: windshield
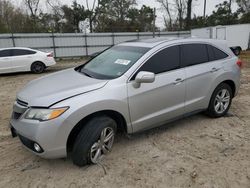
(113, 62)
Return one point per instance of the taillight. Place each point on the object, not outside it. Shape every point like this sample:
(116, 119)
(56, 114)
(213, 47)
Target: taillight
(50, 54)
(239, 63)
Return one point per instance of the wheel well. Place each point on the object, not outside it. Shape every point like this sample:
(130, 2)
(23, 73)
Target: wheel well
(231, 84)
(239, 48)
(120, 120)
(37, 62)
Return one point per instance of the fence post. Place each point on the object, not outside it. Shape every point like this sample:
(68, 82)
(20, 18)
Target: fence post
(249, 41)
(113, 38)
(53, 42)
(86, 44)
(13, 40)
(138, 35)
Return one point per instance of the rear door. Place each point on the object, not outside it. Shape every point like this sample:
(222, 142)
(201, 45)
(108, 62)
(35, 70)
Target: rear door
(5, 61)
(22, 59)
(201, 68)
(153, 103)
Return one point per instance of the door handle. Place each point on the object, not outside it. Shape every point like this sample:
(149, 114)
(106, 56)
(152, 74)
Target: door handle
(177, 81)
(214, 69)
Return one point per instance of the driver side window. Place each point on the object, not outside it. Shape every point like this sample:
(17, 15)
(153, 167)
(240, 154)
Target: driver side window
(166, 60)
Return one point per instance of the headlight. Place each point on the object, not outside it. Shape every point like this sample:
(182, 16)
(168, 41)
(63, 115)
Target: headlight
(43, 114)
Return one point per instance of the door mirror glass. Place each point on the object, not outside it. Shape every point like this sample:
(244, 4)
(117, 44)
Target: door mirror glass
(144, 77)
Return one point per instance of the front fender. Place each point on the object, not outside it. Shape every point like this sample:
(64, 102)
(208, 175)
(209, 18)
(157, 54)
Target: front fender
(86, 104)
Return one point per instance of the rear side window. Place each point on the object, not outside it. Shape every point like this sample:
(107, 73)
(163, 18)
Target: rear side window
(165, 60)
(5, 53)
(215, 53)
(192, 54)
(19, 52)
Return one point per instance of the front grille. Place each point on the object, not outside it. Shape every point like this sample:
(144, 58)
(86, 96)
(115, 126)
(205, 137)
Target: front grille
(16, 115)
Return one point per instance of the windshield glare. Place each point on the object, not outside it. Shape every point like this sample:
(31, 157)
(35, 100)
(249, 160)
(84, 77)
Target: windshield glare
(113, 62)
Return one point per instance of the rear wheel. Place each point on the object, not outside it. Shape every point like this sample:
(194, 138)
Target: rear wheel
(94, 141)
(37, 67)
(220, 101)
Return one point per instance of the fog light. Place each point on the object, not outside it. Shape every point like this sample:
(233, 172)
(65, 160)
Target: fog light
(37, 147)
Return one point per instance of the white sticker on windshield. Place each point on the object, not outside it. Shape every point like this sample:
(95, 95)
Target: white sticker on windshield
(122, 61)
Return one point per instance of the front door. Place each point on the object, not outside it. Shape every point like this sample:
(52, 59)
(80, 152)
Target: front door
(154, 103)
(22, 59)
(5, 61)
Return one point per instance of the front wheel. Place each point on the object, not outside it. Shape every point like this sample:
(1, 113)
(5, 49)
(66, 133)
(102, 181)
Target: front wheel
(94, 141)
(220, 101)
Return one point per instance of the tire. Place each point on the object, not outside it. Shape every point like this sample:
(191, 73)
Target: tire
(89, 138)
(37, 67)
(237, 51)
(216, 100)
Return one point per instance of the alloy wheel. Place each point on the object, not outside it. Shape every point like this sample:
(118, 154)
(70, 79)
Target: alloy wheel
(103, 145)
(222, 101)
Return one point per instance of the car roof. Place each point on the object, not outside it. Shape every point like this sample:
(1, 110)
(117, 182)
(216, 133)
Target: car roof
(20, 48)
(149, 43)
(153, 42)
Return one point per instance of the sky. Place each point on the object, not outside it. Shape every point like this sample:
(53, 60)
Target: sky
(197, 7)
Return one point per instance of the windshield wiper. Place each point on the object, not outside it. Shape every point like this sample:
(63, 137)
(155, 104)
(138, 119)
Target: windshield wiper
(84, 72)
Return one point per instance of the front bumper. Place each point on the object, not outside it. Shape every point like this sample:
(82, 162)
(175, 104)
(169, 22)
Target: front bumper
(50, 135)
(46, 136)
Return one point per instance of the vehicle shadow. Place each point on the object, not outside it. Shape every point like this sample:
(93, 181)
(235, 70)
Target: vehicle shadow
(47, 71)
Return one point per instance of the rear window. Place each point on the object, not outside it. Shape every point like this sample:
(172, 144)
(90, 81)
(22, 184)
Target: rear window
(215, 53)
(19, 52)
(192, 54)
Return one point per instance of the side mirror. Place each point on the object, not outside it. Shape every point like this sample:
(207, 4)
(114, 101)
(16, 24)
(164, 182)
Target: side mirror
(144, 77)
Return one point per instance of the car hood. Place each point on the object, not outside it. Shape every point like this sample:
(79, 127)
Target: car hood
(47, 90)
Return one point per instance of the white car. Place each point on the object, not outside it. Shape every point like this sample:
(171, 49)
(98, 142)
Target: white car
(24, 59)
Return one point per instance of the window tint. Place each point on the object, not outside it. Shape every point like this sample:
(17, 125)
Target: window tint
(215, 54)
(18, 52)
(210, 53)
(165, 60)
(193, 54)
(219, 54)
(5, 53)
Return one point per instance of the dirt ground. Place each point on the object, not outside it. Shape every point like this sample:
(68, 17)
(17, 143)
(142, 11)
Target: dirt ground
(194, 152)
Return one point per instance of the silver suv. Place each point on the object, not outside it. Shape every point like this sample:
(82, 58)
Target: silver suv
(130, 87)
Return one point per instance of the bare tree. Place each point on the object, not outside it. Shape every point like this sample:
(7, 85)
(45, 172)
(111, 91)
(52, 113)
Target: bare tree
(92, 12)
(166, 6)
(189, 12)
(176, 10)
(181, 9)
(32, 6)
(55, 6)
